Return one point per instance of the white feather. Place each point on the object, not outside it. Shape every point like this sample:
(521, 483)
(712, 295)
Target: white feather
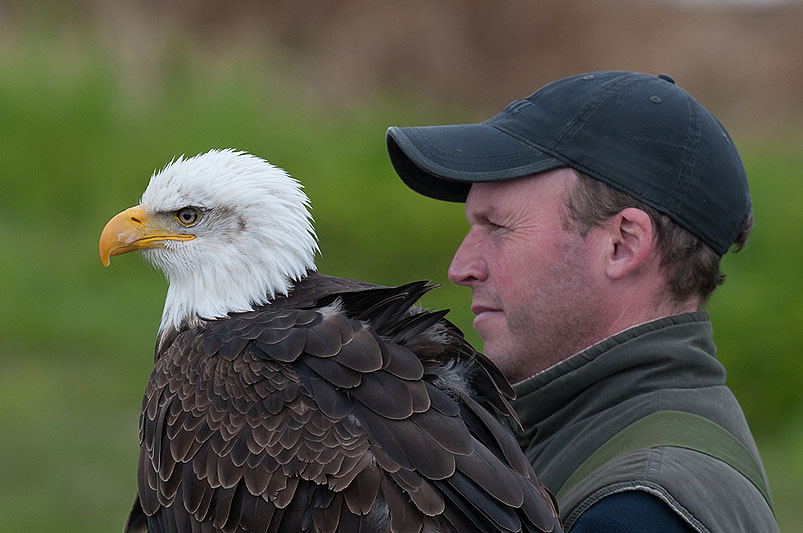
(254, 239)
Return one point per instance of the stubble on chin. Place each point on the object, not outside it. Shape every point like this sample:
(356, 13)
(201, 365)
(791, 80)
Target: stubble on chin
(510, 360)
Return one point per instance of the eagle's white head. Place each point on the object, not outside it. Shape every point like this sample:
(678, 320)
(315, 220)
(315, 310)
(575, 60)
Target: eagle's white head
(229, 230)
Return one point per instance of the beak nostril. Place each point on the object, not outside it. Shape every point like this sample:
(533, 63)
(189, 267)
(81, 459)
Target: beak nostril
(135, 219)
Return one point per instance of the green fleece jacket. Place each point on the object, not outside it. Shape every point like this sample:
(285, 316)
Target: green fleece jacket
(569, 410)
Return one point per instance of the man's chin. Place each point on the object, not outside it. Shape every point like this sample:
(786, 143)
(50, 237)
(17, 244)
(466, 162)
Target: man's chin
(501, 358)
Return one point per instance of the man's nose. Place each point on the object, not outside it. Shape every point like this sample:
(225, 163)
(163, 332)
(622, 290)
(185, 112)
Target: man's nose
(468, 265)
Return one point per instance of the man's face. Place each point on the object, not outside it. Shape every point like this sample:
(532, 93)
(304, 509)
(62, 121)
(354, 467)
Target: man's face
(532, 281)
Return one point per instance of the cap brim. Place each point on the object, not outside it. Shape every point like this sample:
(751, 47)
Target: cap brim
(443, 161)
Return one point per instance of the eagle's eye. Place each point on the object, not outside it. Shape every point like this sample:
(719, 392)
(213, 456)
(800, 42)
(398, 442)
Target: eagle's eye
(188, 216)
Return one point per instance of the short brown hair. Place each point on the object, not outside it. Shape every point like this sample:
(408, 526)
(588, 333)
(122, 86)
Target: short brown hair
(691, 266)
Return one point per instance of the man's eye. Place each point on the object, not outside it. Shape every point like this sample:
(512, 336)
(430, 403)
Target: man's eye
(494, 226)
(188, 216)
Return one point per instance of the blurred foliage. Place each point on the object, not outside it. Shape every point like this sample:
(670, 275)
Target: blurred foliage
(78, 143)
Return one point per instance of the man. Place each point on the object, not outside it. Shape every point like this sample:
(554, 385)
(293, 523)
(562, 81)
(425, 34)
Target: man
(600, 207)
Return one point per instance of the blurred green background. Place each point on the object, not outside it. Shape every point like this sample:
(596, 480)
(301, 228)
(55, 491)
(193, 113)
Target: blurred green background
(95, 96)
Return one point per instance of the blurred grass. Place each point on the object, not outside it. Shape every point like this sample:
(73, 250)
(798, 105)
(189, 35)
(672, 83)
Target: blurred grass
(78, 142)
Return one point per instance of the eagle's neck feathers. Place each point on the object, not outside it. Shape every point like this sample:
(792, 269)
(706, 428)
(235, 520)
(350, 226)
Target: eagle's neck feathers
(226, 287)
(254, 240)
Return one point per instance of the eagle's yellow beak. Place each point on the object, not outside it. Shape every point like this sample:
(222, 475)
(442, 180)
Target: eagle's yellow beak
(132, 230)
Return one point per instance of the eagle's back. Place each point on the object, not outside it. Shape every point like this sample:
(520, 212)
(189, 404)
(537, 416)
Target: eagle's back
(336, 407)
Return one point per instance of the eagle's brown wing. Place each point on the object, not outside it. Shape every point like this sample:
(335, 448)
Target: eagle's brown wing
(360, 415)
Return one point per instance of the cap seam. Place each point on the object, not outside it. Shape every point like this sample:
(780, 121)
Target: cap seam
(548, 151)
(506, 156)
(687, 164)
(573, 126)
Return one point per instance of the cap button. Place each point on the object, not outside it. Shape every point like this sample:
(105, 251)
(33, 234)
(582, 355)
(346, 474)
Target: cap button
(667, 77)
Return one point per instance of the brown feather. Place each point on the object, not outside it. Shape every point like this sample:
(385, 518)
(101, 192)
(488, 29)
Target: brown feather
(494, 477)
(404, 517)
(386, 395)
(361, 493)
(362, 353)
(428, 500)
(403, 363)
(503, 517)
(333, 372)
(326, 516)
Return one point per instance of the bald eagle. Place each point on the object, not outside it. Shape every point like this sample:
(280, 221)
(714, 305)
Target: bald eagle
(285, 400)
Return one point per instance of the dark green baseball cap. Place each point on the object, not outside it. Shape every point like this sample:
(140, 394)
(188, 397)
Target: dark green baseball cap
(639, 133)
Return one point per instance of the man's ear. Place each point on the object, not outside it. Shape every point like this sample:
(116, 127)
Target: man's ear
(630, 244)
